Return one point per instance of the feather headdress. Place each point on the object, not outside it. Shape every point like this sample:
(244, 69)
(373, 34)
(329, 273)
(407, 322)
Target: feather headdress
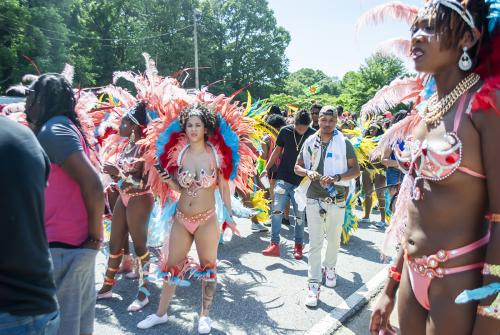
(395, 10)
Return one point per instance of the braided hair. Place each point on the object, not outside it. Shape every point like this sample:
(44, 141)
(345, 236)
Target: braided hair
(54, 96)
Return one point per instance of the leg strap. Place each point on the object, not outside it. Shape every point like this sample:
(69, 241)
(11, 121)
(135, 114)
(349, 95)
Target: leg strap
(114, 256)
(109, 281)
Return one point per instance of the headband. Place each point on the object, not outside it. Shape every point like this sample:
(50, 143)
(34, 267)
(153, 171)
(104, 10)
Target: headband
(453, 5)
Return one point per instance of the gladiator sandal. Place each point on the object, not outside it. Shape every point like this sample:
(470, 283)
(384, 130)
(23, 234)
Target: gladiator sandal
(109, 278)
(138, 304)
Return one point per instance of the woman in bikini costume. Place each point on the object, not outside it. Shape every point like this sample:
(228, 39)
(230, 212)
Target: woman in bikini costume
(451, 242)
(133, 207)
(195, 219)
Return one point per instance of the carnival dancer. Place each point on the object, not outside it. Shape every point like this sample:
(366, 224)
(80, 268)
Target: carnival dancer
(198, 154)
(329, 162)
(448, 208)
(133, 207)
(373, 180)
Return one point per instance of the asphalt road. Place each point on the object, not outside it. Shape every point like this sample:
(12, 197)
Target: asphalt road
(255, 294)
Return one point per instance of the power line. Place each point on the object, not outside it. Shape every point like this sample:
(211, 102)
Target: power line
(98, 38)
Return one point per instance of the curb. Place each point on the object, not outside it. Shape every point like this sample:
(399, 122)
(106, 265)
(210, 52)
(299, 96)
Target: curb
(350, 306)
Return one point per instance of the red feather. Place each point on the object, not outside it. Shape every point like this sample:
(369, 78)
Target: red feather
(164, 158)
(109, 131)
(227, 157)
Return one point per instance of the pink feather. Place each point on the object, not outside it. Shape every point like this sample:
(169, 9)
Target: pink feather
(391, 95)
(395, 10)
(68, 73)
(397, 46)
(398, 131)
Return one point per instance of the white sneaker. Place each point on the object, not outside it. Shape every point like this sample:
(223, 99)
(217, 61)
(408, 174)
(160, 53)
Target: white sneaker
(330, 277)
(137, 305)
(312, 295)
(204, 325)
(259, 227)
(152, 320)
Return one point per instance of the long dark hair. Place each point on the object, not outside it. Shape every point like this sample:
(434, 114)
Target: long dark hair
(54, 96)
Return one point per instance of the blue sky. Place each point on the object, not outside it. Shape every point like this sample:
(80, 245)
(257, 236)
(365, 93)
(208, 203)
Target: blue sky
(323, 34)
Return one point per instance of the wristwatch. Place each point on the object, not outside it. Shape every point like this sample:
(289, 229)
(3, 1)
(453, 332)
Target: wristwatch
(337, 177)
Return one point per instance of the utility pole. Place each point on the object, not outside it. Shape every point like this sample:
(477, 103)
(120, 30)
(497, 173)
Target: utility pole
(196, 16)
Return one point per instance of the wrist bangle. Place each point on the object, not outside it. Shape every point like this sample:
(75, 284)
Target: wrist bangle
(394, 274)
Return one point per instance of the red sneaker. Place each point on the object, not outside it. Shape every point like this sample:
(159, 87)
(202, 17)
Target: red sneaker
(272, 250)
(297, 251)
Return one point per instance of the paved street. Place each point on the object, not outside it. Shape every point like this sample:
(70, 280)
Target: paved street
(256, 294)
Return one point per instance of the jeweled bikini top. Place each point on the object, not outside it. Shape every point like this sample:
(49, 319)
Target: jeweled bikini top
(425, 162)
(189, 181)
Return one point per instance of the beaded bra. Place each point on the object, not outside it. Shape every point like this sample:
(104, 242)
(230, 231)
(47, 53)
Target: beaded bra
(419, 158)
(189, 181)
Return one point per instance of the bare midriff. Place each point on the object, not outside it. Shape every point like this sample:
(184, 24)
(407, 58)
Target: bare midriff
(190, 206)
(451, 212)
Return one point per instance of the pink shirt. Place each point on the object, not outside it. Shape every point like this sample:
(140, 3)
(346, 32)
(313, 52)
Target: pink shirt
(66, 218)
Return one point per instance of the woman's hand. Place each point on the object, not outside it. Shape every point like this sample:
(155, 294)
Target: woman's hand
(110, 169)
(380, 323)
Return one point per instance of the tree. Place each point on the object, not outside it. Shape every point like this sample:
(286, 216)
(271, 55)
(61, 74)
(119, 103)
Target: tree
(244, 46)
(303, 78)
(12, 26)
(240, 43)
(360, 86)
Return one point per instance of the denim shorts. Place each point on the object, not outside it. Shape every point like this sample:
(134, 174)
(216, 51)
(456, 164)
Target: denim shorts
(43, 324)
(74, 276)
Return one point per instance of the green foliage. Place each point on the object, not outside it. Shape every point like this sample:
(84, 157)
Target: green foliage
(303, 78)
(352, 92)
(360, 86)
(239, 42)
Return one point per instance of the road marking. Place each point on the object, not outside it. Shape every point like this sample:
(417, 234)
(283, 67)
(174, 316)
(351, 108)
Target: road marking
(350, 306)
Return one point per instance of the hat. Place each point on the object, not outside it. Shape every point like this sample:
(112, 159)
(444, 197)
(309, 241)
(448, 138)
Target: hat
(328, 110)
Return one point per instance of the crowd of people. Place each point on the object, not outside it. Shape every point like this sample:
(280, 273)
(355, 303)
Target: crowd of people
(75, 159)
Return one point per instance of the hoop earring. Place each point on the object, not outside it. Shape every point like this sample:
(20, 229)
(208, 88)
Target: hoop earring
(465, 63)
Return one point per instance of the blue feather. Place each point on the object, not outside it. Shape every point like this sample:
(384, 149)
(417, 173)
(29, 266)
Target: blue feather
(232, 140)
(164, 137)
(494, 14)
(478, 293)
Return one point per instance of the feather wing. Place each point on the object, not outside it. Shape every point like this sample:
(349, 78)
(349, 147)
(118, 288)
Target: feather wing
(391, 95)
(397, 46)
(395, 10)
(68, 73)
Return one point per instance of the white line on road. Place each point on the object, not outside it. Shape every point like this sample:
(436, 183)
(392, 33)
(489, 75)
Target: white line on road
(350, 306)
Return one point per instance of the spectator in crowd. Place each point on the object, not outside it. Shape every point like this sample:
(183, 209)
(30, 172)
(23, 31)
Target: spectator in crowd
(268, 145)
(288, 144)
(74, 200)
(394, 176)
(27, 292)
(329, 161)
(315, 108)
